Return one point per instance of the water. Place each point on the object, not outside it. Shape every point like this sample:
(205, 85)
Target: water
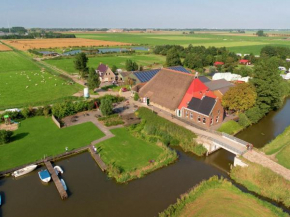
(91, 193)
(268, 128)
(107, 50)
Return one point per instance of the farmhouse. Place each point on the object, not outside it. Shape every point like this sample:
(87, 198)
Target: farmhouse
(166, 89)
(144, 76)
(105, 73)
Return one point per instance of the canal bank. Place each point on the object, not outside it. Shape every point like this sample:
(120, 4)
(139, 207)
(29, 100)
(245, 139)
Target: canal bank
(268, 127)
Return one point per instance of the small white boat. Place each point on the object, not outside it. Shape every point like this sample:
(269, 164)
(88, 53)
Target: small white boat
(58, 170)
(24, 170)
(44, 176)
(63, 184)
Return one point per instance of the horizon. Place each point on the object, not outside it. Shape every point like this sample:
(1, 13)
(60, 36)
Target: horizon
(209, 14)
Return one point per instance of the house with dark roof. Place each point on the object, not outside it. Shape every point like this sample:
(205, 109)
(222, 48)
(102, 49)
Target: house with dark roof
(219, 87)
(205, 111)
(105, 73)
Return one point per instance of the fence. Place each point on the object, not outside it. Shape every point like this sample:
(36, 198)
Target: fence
(235, 139)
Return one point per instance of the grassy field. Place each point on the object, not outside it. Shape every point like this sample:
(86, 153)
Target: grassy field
(127, 151)
(145, 60)
(263, 181)
(39, 136)
(280, 147)
(23, 84)
(218, 197)
(235, 42)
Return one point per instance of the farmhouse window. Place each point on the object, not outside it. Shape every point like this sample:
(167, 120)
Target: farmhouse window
(217, 119)
(218, 111)
(198, 119)
(211, 121)
(203, 120)
(191, 115)
(186, 114)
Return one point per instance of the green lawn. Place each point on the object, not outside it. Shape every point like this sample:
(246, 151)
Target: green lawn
(281, 147)
(230, 127)
(218, 197)
(23, 84)
(237, 43)
(39, 136)
(67, 63)
(127, 151)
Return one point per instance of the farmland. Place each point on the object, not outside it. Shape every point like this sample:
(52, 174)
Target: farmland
(67, 63)
(22, 83)
(4, 47)
(26, 44)
(246, 43)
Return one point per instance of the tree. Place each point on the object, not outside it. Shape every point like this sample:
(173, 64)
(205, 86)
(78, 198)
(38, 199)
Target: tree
(106, 107)
(136, 96)
(244, 71)
(94, 79)
(131, 65)
(5, 136)
(240, 97)
(80, 63)
(173, 58)
(114, 68)
(260, 33)
(267, 80)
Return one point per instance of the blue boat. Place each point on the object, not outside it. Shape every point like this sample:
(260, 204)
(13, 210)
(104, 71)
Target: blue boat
(0, 200)
(44, 176)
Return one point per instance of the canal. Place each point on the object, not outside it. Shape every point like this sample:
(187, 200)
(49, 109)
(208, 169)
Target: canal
(91, 193)
(269, 127)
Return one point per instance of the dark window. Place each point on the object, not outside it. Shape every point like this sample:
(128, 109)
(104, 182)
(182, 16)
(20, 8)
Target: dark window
(203, 120)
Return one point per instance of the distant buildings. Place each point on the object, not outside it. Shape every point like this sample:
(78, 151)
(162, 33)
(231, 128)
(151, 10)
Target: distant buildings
(115, 30)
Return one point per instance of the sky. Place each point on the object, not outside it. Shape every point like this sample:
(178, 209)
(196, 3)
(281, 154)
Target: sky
(247, 14)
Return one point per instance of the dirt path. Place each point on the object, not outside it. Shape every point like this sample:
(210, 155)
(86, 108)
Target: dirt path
(262, 159)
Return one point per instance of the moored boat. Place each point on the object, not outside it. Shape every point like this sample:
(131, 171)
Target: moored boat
(44, 176)
(63, 184)
(58, 170)
(24, 170)
(0, 200)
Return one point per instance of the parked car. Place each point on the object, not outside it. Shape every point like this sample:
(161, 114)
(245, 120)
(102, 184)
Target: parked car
(124, 89)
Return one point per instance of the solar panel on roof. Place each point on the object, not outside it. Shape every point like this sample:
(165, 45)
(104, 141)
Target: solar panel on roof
(179, 68)
(145, 76)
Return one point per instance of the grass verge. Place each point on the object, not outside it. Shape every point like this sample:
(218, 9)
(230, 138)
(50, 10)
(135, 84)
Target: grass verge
(111, 120)
(230, 127)
(218, 197)
(263, 181)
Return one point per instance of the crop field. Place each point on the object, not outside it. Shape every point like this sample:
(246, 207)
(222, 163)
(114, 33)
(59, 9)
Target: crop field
(23, 84)
(26, 44)
(67, 64)
(4, 47)
(240, 43)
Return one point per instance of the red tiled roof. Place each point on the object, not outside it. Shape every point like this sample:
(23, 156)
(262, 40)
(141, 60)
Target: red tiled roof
(244, 61)
(196, 89)
(219, 63)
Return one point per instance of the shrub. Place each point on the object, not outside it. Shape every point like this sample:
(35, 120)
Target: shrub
(243, 120)
(136, 96)
(231, 127)
(46, 111)
(254, 114)
(5, 136)
(27, 112)
(106, 107)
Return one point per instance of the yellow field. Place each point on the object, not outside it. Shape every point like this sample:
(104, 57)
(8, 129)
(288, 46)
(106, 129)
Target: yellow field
(4, 47)
(25, 44)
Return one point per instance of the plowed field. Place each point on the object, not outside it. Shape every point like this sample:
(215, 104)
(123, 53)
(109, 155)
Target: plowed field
(25, 44)
(4, 47)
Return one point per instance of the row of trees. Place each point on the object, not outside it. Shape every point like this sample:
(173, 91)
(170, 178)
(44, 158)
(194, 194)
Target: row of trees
(265, 92)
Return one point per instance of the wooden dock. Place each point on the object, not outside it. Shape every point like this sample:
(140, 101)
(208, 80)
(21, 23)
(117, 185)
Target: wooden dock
(97, 158)
(56, 180)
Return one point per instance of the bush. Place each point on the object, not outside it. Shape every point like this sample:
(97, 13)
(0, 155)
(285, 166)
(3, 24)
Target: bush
(243, 120)
(27, 112)
(254, 114)
(106, 107)
(5, 136)
(231, 127)
(136, 96)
